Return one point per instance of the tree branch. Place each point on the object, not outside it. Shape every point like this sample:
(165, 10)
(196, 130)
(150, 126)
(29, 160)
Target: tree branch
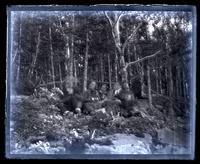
(113, 28)
(109, 19)
(118, 18)
(130, 36)
(142, 59)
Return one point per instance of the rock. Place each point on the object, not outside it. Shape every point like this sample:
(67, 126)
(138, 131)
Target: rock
(122, 144)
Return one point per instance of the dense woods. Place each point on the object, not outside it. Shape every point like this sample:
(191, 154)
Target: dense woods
(151, 51)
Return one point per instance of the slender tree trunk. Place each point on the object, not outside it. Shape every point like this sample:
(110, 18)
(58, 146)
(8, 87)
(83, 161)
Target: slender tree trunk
(71, 66)
(116, 67)
(184, 86)
(72, 54)
(129, 69)
(75, 73)
(67, 56)
(49, 75)
(180, 83)
(52, 63)
(18, 69)
(159, 81)
(138, 65)
(109, 72)
(177, 82)
(149, 86)
(85, 64)
(67, 52)
(171, 113)
(157, 69)
(166, 82)
(35, 57)
(60, 74)
(142, 80)
(102, 69)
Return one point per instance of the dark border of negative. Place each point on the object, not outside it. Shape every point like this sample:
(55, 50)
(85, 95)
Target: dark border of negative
(131, 7)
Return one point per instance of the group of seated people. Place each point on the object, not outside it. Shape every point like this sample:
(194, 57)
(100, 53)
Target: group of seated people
(93, 99)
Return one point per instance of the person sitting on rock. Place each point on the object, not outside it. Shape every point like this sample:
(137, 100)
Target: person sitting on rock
(72, 101)
(128, 102)
(112, 102)
(103, 93)
(113, 94)
(117, 88)
(91, 99)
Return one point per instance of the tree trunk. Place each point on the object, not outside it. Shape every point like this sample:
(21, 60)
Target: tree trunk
(177, 82)
(123, 71)
(165, 92)
(138, 65)
(85, 64)
(171, 113)
(72, 54)
(129, 69)
(67, 57)
(18, 69)
(35, 57)
(75, 73)
(142, 81)
(49, 75)
(60, 74)
(159, 81)
(67, 81)
(52, 63)
(109, 72)
(101, 67)
(140, 69)
(116, 36)
(157, 76)
(116, 66)
(149, 86)
(180, 83)
(184, 86)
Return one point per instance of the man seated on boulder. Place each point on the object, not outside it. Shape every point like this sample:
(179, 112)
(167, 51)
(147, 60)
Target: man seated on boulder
(128, 102)
(113, 94)
(72, 101)
(111, 102)
(105, 97)
(91, 99)
(103, 93)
